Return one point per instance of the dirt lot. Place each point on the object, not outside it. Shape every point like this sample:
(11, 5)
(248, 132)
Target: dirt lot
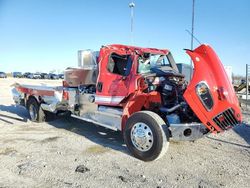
(72, 153)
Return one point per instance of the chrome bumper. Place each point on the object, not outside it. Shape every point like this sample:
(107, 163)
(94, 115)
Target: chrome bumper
(187, 131)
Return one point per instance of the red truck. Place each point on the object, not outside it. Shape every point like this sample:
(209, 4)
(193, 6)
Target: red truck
(141, 92)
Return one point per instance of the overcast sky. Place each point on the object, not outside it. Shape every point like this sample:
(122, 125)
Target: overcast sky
(45, 35)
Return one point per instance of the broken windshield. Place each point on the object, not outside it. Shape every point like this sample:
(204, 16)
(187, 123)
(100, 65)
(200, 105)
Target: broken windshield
(149, 61)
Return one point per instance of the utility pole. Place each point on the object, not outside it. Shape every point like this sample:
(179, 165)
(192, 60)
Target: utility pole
(192, 41)
(192, 31)
(131, 6)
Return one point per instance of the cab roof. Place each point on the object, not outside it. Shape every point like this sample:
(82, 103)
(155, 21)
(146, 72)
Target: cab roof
(139, 50)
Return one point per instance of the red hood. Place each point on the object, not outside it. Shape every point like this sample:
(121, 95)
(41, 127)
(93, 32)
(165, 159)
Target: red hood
(208, 69)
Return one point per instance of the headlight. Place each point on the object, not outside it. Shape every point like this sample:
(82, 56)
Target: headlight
(203, 92)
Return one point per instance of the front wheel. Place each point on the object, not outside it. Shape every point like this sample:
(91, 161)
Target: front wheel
(145, 137)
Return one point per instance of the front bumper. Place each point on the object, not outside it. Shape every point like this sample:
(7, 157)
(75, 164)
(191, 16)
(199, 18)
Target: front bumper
(187, 131)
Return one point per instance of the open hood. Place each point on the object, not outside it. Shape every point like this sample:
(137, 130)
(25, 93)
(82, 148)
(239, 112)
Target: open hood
(210, 93)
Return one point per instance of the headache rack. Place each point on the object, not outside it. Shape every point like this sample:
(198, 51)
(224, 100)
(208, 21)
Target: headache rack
(226, 119)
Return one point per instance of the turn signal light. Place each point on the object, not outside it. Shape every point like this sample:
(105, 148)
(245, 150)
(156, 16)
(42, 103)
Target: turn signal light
(221, 93)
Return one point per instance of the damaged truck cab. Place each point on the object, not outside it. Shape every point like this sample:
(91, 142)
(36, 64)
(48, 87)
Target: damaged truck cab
(141, 92)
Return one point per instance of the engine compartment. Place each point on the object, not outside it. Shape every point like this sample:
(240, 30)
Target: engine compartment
(171, 85)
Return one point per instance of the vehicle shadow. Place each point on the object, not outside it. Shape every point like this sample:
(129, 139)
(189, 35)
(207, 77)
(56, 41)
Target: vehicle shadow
(16, 110)
(243, 131)
(99, 135)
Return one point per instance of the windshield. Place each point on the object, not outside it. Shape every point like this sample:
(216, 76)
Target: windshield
(149, 61)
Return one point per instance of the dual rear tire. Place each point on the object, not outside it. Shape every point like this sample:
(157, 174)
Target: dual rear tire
(35, 111)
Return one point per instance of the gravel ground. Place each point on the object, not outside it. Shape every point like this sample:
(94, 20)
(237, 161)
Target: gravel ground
(73, 153)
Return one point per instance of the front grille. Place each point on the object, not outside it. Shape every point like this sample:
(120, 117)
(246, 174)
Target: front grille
(226, 119)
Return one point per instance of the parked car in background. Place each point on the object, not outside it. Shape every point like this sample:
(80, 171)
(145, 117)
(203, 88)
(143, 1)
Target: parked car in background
(26, 74)
(30, 76)
(61, 76)
(3, 75)
(17, 75)
(53, 76)
(37, 76)
(44, 76)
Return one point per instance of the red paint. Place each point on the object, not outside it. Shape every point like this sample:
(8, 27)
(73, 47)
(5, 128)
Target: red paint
(139, 101)
(117, 85)
(208, 68)
(36, 92)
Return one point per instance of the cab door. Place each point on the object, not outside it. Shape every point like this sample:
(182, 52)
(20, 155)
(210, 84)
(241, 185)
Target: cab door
(113, 80)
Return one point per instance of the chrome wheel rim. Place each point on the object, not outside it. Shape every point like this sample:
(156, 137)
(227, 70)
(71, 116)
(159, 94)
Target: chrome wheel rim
(142, 136)
(33, 112)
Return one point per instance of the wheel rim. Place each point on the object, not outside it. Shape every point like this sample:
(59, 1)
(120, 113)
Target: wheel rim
(33, 112)
(142, 136)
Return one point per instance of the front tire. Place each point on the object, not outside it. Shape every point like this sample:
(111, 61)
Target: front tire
(145, 136)
(36, 112)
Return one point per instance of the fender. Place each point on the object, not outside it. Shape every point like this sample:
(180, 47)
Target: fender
(138, 101)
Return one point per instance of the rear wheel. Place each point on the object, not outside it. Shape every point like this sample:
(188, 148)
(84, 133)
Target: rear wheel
(36, 112)
(145, 136)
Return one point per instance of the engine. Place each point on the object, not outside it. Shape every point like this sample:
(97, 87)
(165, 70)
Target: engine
(171, 92)
(174, 106)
